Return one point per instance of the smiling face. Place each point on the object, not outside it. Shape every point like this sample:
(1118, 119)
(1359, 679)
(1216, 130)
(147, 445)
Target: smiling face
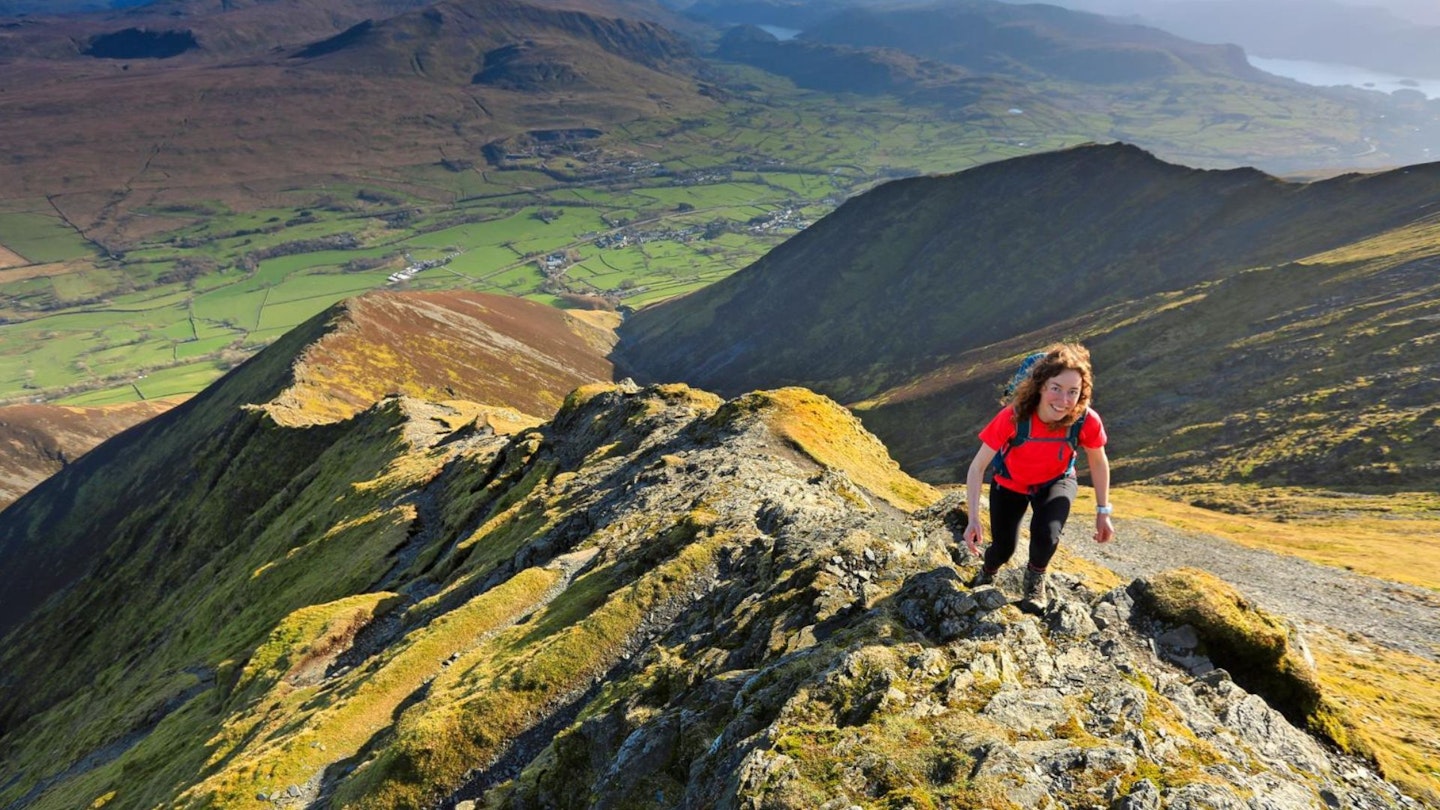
(1059, 395)
(1059, 387)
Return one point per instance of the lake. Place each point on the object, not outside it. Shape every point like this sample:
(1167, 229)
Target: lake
(778, 32)
(1322, 74)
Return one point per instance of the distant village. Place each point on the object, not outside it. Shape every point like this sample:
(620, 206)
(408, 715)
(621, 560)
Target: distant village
(786, 218)
(412, 268)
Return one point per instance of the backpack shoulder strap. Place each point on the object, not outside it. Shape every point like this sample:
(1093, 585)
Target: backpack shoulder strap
(1075, 428)
(1022, 434)
(1074, 439)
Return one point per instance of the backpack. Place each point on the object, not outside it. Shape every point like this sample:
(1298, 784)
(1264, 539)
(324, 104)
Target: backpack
(1022, 430)
(1020, 374)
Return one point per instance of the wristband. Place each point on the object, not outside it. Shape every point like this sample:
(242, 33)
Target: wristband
(1104, 510)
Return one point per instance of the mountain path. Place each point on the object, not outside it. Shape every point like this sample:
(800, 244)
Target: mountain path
(1394, 615)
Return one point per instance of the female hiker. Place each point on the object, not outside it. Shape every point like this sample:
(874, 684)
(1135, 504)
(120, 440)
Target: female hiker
(1031, 445)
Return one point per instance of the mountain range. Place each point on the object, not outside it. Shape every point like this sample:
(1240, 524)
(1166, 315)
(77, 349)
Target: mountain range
(198, 100)
(910, 302)
(1392, 38)
(441, 549)
(1027, 41)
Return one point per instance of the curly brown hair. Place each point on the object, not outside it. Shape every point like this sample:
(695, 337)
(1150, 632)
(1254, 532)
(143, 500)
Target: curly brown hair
(1059, 358)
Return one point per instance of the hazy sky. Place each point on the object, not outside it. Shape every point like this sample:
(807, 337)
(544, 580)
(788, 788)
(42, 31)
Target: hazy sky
(1391, 37)
(1426, 12)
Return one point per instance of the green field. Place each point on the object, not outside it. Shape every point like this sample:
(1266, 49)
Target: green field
(686, 194)
(42, 236)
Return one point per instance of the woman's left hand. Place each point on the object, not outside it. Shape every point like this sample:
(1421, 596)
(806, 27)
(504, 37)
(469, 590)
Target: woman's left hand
(1104, 529)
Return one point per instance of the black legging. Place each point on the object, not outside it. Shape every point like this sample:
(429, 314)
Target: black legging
(1051, 506)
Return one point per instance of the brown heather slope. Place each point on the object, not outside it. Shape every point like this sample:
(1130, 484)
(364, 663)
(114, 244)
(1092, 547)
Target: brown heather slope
(475, 41)
(240, 28)
(243, 125)
(218, 29)
(454, 345)
(486, 349)
(36, 441)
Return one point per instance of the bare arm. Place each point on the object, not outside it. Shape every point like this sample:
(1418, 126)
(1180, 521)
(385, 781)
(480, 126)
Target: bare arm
(974, 480)
(1100, 478)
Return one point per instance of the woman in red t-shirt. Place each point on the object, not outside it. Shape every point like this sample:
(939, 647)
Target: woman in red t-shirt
(1039, 473)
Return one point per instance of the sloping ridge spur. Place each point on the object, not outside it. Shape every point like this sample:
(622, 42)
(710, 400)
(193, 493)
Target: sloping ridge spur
(474, 347)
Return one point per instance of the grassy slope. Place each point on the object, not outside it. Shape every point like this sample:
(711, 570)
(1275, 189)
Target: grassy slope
(1316, 372)
(921, 268)
(177, 460)
(341, 498)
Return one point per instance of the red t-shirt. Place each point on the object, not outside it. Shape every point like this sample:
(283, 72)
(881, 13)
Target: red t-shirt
(1033, 462)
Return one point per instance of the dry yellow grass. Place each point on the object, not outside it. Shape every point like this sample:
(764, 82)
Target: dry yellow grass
(1390, 700)
(1413, 241)
(834, 438)
(14, 267)
(1393, 537)
(264, 750)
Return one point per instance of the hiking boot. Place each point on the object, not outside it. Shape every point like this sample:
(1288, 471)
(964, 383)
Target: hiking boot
(982, 577)
(1035, 599)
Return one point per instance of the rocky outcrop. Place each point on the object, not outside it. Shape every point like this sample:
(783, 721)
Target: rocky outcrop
(839, 662)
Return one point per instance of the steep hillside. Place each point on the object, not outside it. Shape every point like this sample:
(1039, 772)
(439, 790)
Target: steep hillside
(658, 599)
(840, 69)
(517, 45)
(958, 276)
(274, 91)
(36, 441)
(211, 463)
(1318, 373)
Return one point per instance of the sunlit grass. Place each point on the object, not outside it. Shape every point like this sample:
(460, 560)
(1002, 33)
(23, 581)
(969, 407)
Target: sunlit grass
(1390, 699)
(1393, 537)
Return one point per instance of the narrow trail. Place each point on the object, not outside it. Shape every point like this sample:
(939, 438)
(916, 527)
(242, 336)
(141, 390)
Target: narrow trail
(1394, 615)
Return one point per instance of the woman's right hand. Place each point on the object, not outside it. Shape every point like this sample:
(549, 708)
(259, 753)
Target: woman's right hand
(974, 536)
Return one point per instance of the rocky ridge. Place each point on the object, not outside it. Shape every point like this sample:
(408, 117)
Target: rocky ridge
(663, 599)
(859, 671)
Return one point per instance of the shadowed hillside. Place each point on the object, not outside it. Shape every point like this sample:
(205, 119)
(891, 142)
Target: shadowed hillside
(36, 441)
(903, 293)
(840, 69)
